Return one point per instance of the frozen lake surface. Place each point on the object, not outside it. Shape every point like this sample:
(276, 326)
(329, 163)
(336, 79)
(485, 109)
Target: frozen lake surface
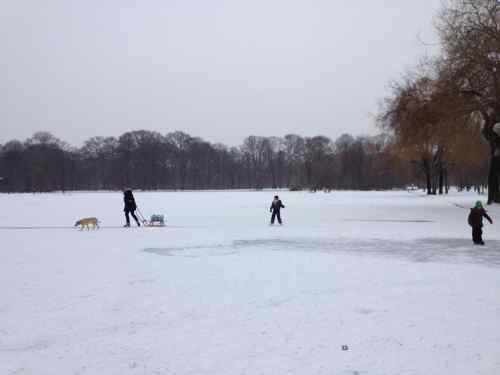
(392, 275)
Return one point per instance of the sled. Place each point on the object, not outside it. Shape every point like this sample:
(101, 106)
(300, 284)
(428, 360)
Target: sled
(155, 221)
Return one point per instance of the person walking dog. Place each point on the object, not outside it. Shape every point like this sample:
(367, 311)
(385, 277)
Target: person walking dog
(130, 207)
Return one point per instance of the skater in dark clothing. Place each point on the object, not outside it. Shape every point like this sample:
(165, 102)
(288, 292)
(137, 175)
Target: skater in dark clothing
(130, 207)
(275, 208)
(475, 220)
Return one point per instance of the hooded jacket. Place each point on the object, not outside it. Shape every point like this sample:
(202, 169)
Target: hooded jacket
(476, 215)
(276, 205)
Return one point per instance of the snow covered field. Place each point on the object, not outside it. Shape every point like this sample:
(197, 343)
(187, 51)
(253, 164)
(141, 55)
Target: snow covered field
(392, 275)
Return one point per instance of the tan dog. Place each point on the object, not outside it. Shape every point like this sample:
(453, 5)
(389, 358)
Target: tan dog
(86, 222)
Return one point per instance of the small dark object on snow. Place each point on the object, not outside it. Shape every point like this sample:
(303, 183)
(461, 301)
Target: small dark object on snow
(345, 347)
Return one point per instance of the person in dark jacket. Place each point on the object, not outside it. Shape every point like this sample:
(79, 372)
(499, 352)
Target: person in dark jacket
(475, 220)
(130, 207)
(275, 208)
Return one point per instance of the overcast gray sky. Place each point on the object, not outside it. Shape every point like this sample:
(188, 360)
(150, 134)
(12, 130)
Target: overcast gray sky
(217, 69)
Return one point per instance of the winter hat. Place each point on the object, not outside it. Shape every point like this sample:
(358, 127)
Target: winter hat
(479, 204)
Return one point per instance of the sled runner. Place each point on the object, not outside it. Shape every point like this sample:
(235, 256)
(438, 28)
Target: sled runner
(156, 221)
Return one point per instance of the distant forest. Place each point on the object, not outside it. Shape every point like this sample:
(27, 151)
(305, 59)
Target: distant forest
(177, 161)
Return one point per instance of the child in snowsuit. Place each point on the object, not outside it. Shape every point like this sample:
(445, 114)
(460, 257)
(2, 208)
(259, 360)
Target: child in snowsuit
(130, 207)
(475, 220)
(275, 208)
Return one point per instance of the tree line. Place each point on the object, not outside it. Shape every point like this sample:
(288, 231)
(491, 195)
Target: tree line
(149, 160)
(177, 161)
(444, 115)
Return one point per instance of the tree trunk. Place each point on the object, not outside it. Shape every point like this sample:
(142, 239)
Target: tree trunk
(494, 141)
(429, 182)
(493, 193)
(446, 185)
(441, 179)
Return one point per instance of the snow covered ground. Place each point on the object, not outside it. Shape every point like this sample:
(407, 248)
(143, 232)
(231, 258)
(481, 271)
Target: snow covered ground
(392, 275)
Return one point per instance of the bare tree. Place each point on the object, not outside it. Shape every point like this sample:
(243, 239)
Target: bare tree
(470, 36)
